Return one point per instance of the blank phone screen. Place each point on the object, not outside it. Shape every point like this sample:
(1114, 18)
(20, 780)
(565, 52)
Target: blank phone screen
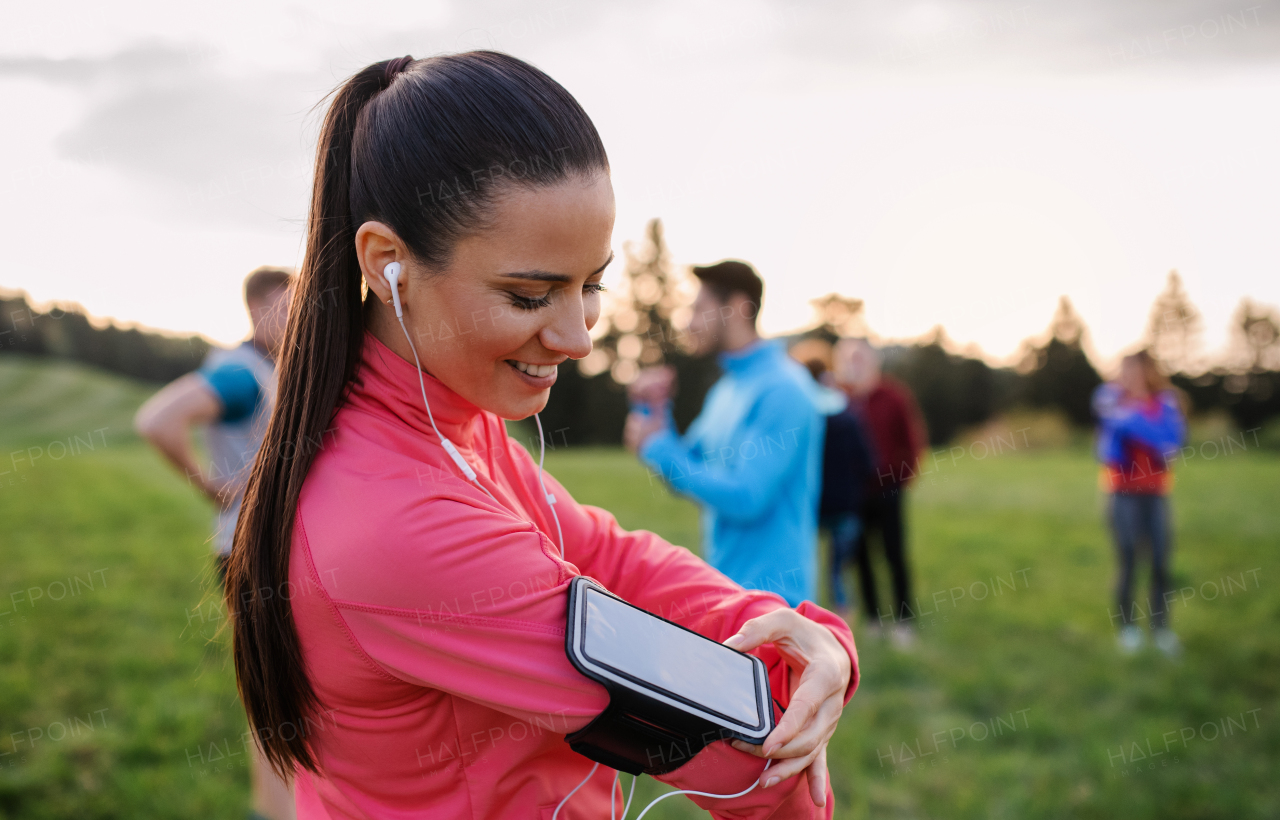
(649, 649)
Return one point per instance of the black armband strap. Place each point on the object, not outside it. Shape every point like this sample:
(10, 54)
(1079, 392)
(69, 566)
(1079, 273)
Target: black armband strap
(656, 721)
(623, 740)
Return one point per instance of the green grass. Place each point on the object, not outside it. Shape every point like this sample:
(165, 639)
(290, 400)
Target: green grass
(129, 660)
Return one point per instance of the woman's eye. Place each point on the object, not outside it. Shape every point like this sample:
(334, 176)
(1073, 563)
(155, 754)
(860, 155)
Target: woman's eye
(530, 302)
(535, 302)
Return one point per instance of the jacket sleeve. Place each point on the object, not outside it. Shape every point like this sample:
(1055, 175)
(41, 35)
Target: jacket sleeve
(740, 482)
(1162, 432)
(1106, 407)
(478, 612)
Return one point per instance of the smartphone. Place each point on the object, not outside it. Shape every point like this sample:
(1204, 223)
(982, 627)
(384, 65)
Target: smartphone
(623, 646)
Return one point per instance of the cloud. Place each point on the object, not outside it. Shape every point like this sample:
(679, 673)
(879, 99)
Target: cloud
(204, 136)
(1051, 36)
(200, 144)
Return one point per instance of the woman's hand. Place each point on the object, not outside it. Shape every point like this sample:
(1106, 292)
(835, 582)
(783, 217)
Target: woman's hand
(799, 740)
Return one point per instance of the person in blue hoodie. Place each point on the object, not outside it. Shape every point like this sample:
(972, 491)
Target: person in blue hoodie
(753, 457)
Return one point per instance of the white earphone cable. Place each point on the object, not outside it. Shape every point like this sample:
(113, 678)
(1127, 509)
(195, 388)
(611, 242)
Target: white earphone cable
(556, 813)
(626, 808)
(613, 788)
(444, 442)
(705, 794)
(550, 499)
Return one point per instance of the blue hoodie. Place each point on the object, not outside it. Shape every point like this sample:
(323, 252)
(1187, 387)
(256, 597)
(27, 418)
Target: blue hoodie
(753, 459)
(1160, 428)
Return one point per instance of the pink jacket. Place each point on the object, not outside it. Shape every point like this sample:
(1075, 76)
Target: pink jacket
(432, 622)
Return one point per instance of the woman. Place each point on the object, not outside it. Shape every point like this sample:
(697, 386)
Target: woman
(399, 626)
(1140, 423)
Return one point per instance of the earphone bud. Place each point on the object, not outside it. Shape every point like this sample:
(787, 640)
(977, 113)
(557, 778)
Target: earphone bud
(392, 274)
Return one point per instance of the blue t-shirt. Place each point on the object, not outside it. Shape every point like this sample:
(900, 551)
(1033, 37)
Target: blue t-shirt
(243, 381)
(236, 387)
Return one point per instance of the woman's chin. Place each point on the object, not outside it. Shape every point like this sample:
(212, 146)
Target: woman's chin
(522, 407)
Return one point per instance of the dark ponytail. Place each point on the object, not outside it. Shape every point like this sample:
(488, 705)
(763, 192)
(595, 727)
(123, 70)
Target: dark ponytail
(423, 146)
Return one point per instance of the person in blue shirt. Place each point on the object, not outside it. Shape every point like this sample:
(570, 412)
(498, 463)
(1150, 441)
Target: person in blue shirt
(229, 399)
(753, 457)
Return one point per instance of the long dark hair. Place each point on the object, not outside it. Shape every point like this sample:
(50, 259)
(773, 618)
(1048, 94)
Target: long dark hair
(423, 146)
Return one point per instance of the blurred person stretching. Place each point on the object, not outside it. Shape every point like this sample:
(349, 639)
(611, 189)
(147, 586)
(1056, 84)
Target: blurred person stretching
(753, 457)
(1139, 422)
(892, 421)
(847, 465)
(230, 399)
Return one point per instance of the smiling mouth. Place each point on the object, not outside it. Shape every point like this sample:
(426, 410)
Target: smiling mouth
(538, 371)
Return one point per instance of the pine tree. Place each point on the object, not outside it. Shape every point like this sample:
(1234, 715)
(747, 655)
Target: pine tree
(1173, 332)
(839, 315)
(1059, 373)
(638, 330)
(1257, 337)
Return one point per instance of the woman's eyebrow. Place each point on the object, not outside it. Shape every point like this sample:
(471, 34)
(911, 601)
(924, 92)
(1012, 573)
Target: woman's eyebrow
(548, 276)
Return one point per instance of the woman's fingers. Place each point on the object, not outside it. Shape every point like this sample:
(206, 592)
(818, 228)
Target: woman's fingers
(799, 741)
(815, 762)
(818, 777)
(814, 708)
(767, 628)
(782, 770)
(813, 733)
(800, 713)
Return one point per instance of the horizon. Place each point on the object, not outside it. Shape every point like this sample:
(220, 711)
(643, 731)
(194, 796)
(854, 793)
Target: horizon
(938, 334)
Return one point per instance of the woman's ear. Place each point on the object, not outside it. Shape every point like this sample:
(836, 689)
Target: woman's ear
(377, 246)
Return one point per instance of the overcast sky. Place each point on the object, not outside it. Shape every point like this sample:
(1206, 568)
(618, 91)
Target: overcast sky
(951, 163)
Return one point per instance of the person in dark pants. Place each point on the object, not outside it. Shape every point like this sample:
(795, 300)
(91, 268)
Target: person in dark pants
(1139, 422)
(846, 465)
(896, 432)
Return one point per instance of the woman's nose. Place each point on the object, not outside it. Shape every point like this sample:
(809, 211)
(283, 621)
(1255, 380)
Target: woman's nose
(567, 332)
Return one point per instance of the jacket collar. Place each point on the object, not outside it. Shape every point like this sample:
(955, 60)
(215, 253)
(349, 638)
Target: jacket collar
(387, 385)
(744, 359)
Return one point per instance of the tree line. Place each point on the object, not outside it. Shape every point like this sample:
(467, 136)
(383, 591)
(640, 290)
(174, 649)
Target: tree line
(642, 328)
(70, 334)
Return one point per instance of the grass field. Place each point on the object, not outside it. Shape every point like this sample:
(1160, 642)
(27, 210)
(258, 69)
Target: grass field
(117, 700)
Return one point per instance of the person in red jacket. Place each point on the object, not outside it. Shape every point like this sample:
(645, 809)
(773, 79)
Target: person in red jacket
(398, 584)
(892, 421)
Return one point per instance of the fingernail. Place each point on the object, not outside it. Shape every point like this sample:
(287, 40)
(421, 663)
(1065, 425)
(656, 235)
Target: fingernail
(773, 781)
(771, 749)
(734, 641)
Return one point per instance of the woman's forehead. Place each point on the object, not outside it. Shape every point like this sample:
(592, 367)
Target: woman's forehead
(561, 228)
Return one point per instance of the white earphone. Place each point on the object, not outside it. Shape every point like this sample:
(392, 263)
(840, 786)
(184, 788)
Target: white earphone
(392, 274)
